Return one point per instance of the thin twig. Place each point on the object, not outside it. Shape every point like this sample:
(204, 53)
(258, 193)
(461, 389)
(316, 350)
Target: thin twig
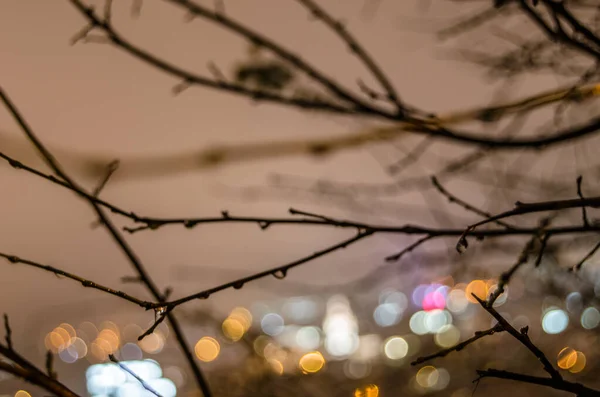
(130, 372)
(584, 217)
(442, 353)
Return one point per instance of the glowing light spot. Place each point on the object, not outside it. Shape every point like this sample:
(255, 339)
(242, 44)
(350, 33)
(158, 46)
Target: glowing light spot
(443, 379)
(434, 320)
(395, 348)
(579, 364)
(98, 352)
(387, 314)
(67, 356)
(152, 343)
(341, 343)
(367, 391)
(395, 297)
(22, 393)
(243, 316)
(111, 338)
(477, 287)
(590, 318)
(418, 294)
(447, 336)
(427, 376)
(276, 366)
(260, 344)
(434, 300)
(233, 329)
(457, 302)
(555, 321)
(207, 349)
(417, 323)
(312, 362)
(567, 358)
(77, 348)
(131, 351)
(272, 324)
(308, 338)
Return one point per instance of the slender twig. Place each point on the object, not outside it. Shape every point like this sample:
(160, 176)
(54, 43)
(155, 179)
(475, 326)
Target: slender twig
(408, 249)
(591, 253)
(561, 384)
(130, 372)
(453, 199)
(442, 353)
(84, 282)
(7, 332)
(584, 217)
(110, 169)
(356, 48)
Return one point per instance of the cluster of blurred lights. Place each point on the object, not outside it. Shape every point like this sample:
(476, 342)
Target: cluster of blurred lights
(109, 379)
(237, 323)
(430, 378)
(392, 305)
(96, 343)
(572, 360)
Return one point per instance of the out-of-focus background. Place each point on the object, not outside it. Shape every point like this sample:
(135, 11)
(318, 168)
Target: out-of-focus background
(347, 324)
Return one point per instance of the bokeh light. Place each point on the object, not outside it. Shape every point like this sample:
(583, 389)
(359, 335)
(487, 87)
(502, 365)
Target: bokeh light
(427, 377)
(367, 391)
(395, 348)
(566, 358)
(311, 362)
(233, 329)
(207, 349)
(555, 321)
(447, 336)
(272, 324)
(22, 393)
(387, 314)
(477, 287)
(579, 363)
(590, 318)
(308, 338)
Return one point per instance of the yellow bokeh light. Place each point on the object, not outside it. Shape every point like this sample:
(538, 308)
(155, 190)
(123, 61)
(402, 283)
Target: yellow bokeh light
(427, 376)
(207, 349)
(233, 329)
(579, 364)
(111, 338)
(22, 393)
(477, 287)
(152, 343)
(66, 338)
(311, 362)
(98, 352)
(69, 328)
(367, 391)
(110, 326)
(242, 315)
(260, 344)
(276, 366)
(567, 358)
